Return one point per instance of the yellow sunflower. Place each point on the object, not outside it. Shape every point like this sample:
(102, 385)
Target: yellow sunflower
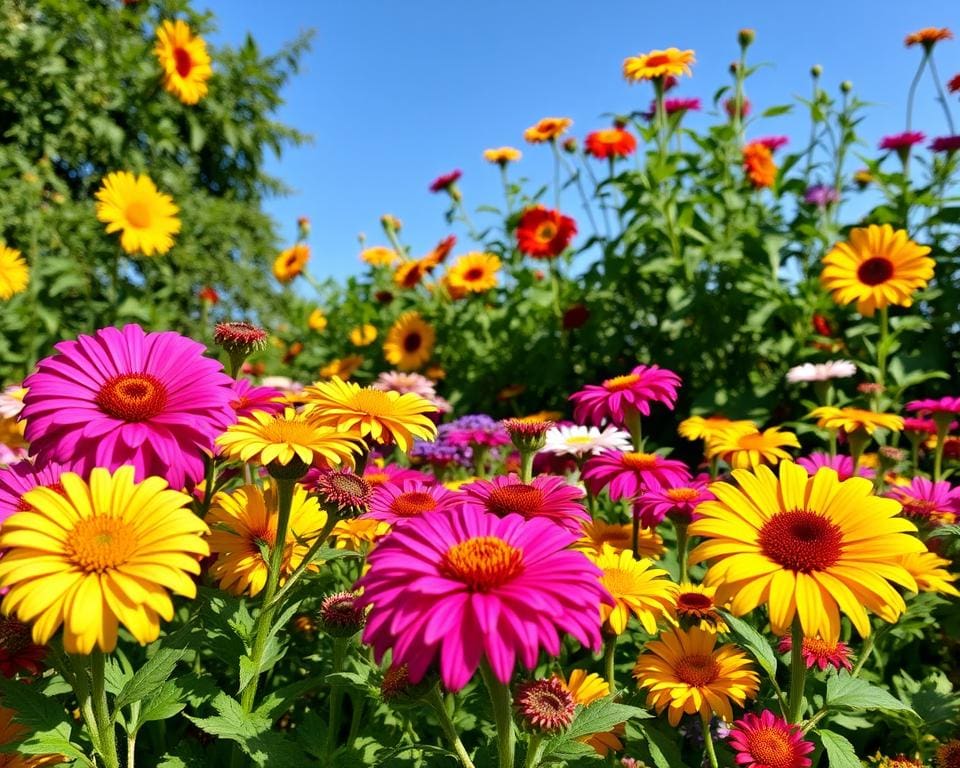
(658, 64)
(877, 267)
(384, 417)
(636, 587)
(697, 606)
(317, 320)
(741, 449)
(409, 343)
(587, 688)
(474, 272)
(244, 521)
(94, 556)
(808, 547)
(930, 572)
(379, 256)
(145, 217)
(408, 274)
(711, 428)
(286, 437)
(185, 61)
(290, 262)
(599, 533)
(14, 273)
(547, 129)
(363, 335)
(685, 673)
(502, 155)
(852, 419)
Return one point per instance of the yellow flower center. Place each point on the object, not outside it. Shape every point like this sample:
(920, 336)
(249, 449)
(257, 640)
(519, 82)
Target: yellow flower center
(801, 540)
(545, 232)
(875, 271)
(482, 563)
(697, 670)
(618, 581)
(138, 214)
(132, 396)
(373, 402)
(619, 383)
(579, 440)
(99, 543)
(183, 61)
(641, 461)
(295, 431)
(771, 747)
(682, 494)
(608, 136)
(412, 504)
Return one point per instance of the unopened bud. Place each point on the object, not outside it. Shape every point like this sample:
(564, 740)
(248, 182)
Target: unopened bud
(745, 37)
(815, 71)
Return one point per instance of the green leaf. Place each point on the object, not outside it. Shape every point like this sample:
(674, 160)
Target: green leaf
(848, 692)
(168, 701)
(755, 643)
(151, 676)
(48, 725)
(840, 752)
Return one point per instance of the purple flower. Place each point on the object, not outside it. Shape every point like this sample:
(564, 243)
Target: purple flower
(821, 195)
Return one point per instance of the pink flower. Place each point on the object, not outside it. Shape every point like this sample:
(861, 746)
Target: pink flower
(247, 398)
(773, 143)
(634, 391)
(677, 501)
(445, 181)
(945, 144)
(454, 587)
(399, 502)
(630, 474)
(902, 141)
(670, 106)
(394, 473)
(819, 653)
(923, 426)
(730, 106)
(405, 382)
(937, 503)
(943, 405)
(756, 738)
(24, 476)
(842, 465)
(124, 396)
(547, 497)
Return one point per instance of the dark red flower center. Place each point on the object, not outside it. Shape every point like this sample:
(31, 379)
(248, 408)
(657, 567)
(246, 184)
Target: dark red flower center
(56, 487)
(519, 498)
(412, 342)
(183, 61)
(875, 270)
(132, 396)
(412, 504)
(14, 636)
(693, 602)
(546, 705)
(697, 670)
(482, 563)
(474, 273)
(545, 232)
(801, 540)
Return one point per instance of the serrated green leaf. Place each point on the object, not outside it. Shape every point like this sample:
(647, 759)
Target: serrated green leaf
(845, 692)
(156, 671)
(754, 642)
(840, 752)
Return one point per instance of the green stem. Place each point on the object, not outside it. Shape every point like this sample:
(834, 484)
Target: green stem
(882, 352)
(106, 727)
(209, 481)
(798, 671)
(682, 543)
(661, 118)
(502, 715)
(632, 420)
(535, 747)
(858, 440)
(526, 466)
(356, 718)
(336, 694)
(556, 174)
(708, 740)
(609, 656)
(864, 654)
(943, 426)
(635, 535)
(506, 189)
(913, 89)
(131, 750)
(449, 729)
(307, 559)
(941, 96)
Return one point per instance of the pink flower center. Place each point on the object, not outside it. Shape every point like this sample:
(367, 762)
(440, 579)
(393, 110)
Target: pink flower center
(412, 504)
(771, 747)
(875, 270)
(801, 540)
(132, 396)
(620, 383)
(183, 61)
(482, 563)
(519, 498)
(697, 670)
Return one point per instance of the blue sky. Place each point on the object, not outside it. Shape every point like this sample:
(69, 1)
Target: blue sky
(395, 93)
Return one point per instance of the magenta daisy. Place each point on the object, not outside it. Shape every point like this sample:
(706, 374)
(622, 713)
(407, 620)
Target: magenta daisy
(842, 465)
(398, 502)
(125, 396)
(24, 476)
(773, 143)
(248, 398)
(935, 407)
(902, 141)
(452, 588)
(921, 426)
(545, 497)
(677, 501)
(945, 144)
(629, 474)
(615, 398)
(768, 741)
(935, 503)
(820, 653)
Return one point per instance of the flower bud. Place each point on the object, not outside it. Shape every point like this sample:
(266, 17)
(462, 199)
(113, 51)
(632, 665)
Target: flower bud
(340, 616)
(528, 435)
(239, 340)
(815, 71)
(745, 37)
(846, 86)
(545, 706)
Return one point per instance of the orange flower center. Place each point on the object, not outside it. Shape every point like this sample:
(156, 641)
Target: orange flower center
(754, 442)
(682, 494)
(875, 270)
(616, 535)
(641, 461)
(97, 544)
(138, 214)
(482, 563)
(412, 504)
(697, 670)
(918, 507)
(412, 342)
(693, 602)
(658, 60)
(608, 136)
(619, 383)
(183, 61)
(545, 232)
(771, 747)
(801, 540)
(57, 487)
(518, 498)
(132, 396)
(818, 647)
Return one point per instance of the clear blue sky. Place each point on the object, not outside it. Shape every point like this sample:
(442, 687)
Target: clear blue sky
(397, 92)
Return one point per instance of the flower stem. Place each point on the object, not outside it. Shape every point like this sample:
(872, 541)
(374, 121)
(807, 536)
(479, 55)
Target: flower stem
(864, 654)
(913, 89)
(535, 747)
(336, 695)
(526, 466)
(882, 352)
(682, 542)
(502, 716)
(941, 96)
(106, 727)
(708, 740)
(609, 656)
(307, 559)
(798, 671)
(631, 418)
(449, 729)
(943, 426)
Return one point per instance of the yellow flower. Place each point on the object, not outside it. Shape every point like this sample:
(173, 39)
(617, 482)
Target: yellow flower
(408, 274)
(877, 267)
(852, 419)
(245, 520)
(145, 217)
(586, 689)
(598, 533)
(384, 417)
(363, 335)
(502, 155)
(409, 343)
(684, 673)
(712, 428)
(636, 587)
(930, 572)
(343, 367)
(658, 64)
(14, 274)
(358, 532)
(456, 485)
(547, 129)
(98, 555)
(184, 60)
(290, 262)
(474, 272)
(317, 320)
(806, 546)
(379, 256)
(697, 606)
(286, 437)
(742, 449)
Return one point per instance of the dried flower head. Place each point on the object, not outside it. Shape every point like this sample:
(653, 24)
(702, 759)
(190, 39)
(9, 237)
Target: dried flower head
(545, 705)
(340, 616)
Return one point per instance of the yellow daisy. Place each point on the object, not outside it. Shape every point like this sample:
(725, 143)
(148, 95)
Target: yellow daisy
(145, 217)
(94, 556)
(358, 533)
(742, 449)
(547, 129)
(384, 417)
(636, 587)
(806, 546)
(697, 606)
(658, 64)
(502, 155)
(618, 537)
(877, 267)
(409, 343)
(317, 321)
(379, 256)
(930, 572)
(14, 273)
(290, 262)
(711, 428)
(363, 335)
(409, 274)
(587, 688)
(474, 272)
(852, 419)
(185, 61)
(244, 521)
(344, 367)
(685, 673)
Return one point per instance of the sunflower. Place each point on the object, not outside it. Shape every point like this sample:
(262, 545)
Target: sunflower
(547, 129)
(14, 274)
(379, 256)
(185, 61)
(409, 342)
(852, 419)
(658, 64)
(344, 367)
(685, 672)
(244, 523)
(286, 437)
(93, 556)
(697, 606)
(878, 266)
(502, 155)
(598, 534)
(636, 587)
(290, 262)
(363, 335)
(145, 217)
(741, 449)
(383, 417)
(809, 547)
(474, 272)
(317, 321)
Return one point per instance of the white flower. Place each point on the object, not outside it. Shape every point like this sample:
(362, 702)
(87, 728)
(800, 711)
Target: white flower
(835, 369)
(577, 441)
(11, 401)
(283, 383)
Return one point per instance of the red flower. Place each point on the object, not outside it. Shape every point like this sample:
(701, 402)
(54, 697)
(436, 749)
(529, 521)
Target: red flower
(945, 144)
(773, 143)
(901, 141)
(953, 85)
(208, 294)
(730, 105)
(575, 317)
(610, 143)
(544, 233)
(444, 182)
(822, 326)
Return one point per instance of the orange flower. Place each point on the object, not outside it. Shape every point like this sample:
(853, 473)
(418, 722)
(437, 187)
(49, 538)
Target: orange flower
(928, 37)
(658, 64)
(610, 143)
(343, 367)
(502, 155)
(758, 164)
(548, 129)
(544, 233)
(291, 262)
(409, 274)
(439, 254)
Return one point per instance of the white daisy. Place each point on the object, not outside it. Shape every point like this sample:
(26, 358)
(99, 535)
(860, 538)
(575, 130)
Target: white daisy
(835, 369)
(578, 441)
(11, 401)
